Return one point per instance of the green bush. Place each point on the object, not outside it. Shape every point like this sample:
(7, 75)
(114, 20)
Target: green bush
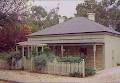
(13, 58)
(3, 55)
(90, 71)
(71, 59)
(51, 56)
(75, 74)
(41, 60)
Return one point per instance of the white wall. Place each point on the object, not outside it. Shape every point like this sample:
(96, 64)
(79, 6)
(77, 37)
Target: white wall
(112, 51)
(111, 48)
(73, 36)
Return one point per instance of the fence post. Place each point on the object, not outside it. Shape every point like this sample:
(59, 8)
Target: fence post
(31, 64)
(62, 67)
(83, 68)
(54, 66)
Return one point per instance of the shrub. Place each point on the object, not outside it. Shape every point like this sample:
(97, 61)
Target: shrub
(13, 58)
(41, 60)
(51, 56)
(3, 55)
(90, 71)
(75, 74)
(71, 59)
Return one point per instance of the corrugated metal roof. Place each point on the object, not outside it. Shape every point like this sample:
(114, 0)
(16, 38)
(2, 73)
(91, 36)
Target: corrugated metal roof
(75, 25)
(83, 41)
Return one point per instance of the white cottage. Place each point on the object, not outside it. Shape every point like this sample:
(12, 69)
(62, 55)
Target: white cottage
(99, 44)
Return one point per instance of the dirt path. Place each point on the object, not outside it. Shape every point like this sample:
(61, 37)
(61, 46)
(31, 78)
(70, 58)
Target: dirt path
(106, 76)
(4, 82)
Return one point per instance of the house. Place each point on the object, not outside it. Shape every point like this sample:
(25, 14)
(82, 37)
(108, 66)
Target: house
(79, 36)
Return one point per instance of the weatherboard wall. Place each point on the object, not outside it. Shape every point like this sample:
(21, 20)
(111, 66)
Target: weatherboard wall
(63, 37)
(112, 51)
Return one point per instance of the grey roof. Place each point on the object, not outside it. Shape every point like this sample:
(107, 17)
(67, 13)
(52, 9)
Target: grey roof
(75, 25)
(82, 41)
(31, 43)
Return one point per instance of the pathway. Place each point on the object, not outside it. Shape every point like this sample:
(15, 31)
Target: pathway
(109, 76)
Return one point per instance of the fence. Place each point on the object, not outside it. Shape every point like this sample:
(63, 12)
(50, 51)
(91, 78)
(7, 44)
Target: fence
(64, 68)
(58, 68)
(3, 64)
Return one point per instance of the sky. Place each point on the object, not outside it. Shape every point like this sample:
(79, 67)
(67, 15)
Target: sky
(66, 7)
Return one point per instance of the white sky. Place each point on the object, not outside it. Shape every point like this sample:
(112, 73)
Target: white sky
(67, 7)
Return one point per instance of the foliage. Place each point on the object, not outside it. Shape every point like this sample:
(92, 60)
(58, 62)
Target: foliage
(34, 53)
(40, 18)
(75, 74)
(10, 36)
(107, 12)
(51, 56)
(10, 13)
(25, 29)
(41, 60)
(90, 71)
(3, 55)
(34, 24)
(71, 59)
(12, 59)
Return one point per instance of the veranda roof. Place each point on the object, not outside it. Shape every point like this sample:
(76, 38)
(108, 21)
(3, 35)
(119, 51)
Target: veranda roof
(83, 41)
(75, 25)
(27, 43)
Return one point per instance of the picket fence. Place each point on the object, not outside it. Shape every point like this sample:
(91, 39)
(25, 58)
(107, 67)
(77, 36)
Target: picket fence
(4, 64)
(64, 68)
(58, 68)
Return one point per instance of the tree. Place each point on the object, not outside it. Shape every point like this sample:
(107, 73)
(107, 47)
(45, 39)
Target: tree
(25, 29)
(10, 36)
(10, 10)
(40, 18)
(10, 13)
(107, 12)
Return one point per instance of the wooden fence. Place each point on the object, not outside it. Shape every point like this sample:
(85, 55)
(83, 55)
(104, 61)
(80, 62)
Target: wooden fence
(4, 64)
(58, 68)
(64, 68)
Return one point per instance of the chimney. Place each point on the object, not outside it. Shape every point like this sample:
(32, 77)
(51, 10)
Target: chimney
(91, 16)
(61, 19)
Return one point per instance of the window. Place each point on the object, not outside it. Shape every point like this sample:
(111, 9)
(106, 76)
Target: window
(83, 52)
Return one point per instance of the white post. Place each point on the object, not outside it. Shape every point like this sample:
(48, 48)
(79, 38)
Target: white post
(94, 53)
(16, 48)
(31, 66)
(42, 48)
(62, 50)
(28, 51)
(31, 51)
(23, 56)
(23, 51)
(83, 67)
